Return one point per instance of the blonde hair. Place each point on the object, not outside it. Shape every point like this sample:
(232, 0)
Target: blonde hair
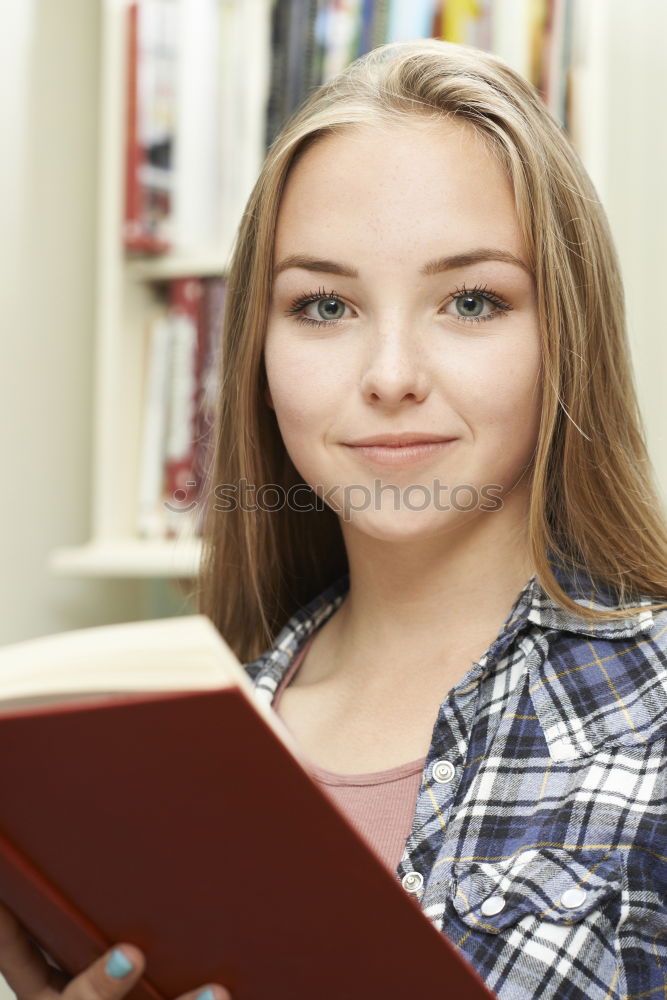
(594, 505)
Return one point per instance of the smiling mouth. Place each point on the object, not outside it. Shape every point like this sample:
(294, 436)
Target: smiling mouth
(400, 454)
(399, 440)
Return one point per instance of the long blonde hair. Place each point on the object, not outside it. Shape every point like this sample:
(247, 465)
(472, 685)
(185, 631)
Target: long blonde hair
(594, 505)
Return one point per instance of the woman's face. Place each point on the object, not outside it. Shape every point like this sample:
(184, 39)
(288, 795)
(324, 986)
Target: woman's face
(403, 305)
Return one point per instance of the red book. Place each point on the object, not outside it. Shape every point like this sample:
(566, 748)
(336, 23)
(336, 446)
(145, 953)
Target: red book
(150, 126)
(147, 796)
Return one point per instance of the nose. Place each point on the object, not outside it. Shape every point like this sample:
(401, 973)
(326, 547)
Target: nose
(395, 369)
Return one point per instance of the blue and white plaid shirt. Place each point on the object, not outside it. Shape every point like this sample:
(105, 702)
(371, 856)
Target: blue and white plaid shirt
(539, 840)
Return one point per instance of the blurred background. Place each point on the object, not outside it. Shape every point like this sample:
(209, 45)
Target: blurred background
(132, 134)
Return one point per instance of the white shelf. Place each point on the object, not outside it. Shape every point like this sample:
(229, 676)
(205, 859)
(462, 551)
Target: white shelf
(203, 265)
(129, 558)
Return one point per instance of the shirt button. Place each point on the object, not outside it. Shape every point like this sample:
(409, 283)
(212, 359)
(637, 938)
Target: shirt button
(572, 899)
(412, 882)
(492, 906)
(443, 771)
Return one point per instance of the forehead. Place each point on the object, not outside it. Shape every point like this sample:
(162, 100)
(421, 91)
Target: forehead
(401, 184)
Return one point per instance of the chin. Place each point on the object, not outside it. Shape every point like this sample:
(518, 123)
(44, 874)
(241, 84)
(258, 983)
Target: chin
(405, 526)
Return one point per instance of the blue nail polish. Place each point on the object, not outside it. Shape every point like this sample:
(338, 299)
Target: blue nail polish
(206, 994)
(118, 965)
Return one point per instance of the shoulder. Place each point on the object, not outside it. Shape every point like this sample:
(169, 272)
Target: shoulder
(602, 687)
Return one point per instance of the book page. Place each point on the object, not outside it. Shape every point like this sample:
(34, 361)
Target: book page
(171, 654)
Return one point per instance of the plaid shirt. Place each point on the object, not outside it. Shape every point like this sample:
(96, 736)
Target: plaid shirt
(538, 843)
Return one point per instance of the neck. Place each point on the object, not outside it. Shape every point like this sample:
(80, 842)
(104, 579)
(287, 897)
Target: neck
(436, 604)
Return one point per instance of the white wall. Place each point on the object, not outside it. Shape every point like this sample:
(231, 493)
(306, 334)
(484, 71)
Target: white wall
(623, 142)
(636, 177)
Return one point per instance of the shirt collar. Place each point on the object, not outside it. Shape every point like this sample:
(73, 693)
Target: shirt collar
(267, 671)
(606, 686)
(580, 588)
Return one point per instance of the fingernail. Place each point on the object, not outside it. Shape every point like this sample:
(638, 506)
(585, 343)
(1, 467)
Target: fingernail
(118, 965)
(206, 994)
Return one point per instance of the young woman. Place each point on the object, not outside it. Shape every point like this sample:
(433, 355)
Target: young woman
(433, 505)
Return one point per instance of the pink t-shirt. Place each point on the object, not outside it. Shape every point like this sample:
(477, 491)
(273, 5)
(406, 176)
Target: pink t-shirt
(379, 805)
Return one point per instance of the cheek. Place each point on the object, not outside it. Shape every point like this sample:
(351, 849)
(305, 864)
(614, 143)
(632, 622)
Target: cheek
(304, 385)
(515, 395)
(503, 393)
(306, 396)
(518, 406)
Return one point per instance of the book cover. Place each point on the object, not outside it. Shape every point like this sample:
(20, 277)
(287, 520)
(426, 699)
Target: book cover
(151, 114)
(182, 820)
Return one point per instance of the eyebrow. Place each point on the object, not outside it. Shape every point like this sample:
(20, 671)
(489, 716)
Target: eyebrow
(436, 266)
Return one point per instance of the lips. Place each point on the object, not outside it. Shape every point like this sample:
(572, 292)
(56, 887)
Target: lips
(399, 440)
(392, 450)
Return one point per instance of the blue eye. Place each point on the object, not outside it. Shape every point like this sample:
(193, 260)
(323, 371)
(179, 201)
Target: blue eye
(329, 306)
(470, 304)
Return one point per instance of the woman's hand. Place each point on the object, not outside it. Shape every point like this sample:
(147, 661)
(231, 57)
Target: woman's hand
(31, 977)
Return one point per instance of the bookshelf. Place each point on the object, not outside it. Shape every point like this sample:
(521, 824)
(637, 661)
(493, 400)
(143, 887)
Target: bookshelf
(128, 288)
(127, 293)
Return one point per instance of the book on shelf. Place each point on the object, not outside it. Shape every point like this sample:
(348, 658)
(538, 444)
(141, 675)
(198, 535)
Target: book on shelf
(148, 795)
(187, 336)
(557, 58)
(150, 125)
(181, 386)
(210, 83)
(313, 40)
(151, 512)
(198, 154)
(197, 88)
(420, 19)
(173, 191)
(245, 64)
